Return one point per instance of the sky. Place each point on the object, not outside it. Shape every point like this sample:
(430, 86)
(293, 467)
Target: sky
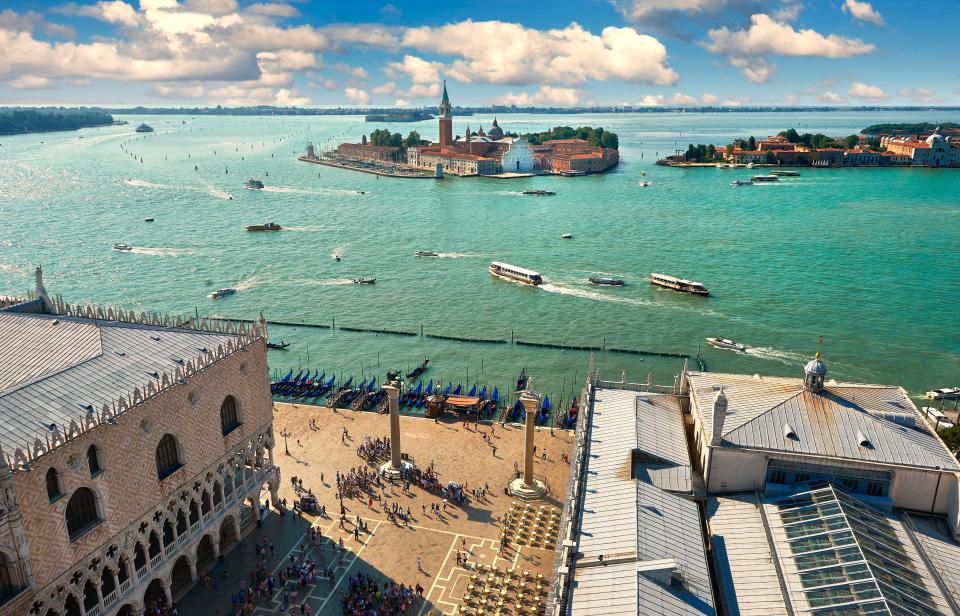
(525, 52)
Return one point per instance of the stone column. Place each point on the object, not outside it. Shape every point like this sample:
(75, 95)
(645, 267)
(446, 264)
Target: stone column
(137, 610)
(391, 469)
(216, 549)
(529, 487)
(193, 571)
(167, 593)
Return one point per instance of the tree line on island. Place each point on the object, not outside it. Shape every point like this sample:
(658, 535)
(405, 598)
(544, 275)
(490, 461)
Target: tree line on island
(709, 153)
(594, 136)
(16, 121)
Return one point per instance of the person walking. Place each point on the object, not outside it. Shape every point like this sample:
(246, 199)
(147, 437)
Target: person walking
(419, 564)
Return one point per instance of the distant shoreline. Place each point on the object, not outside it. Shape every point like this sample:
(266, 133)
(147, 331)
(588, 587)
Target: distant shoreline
(57, 130)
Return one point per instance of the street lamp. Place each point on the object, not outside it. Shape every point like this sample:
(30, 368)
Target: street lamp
(285, 434)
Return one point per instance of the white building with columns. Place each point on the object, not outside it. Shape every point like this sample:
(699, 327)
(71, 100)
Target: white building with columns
(134, 452)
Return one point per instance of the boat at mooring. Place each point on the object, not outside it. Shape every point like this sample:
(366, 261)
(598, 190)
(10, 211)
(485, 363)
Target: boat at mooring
(678, 284)
(267, 226)
(944, 393)
(726, 343)
(515, 274)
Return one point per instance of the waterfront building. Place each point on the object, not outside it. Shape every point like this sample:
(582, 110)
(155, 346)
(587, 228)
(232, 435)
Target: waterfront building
(518, 158)
(134, 452)
(860, 157)
(775, 143)
(935, 150)
(368, 152)
(802, 496)
(559, 155)
(745, 157)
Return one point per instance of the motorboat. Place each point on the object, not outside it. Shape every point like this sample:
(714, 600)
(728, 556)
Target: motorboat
(223, 292)
(645, 183)
(364, 280)
(253, 184)
(944, 393)
(741, 183)
(567, 236)
(610, 282)
(726, 343)
(764, 178)
(573, 173)
(539, 193)
(515, 274)
(336, 257)
(148, 219)
(786, 174)
(678, 284)
(123, 247)
(143, 128)
(937, 417)
(750, 165)
(267, 226)
(425, 253)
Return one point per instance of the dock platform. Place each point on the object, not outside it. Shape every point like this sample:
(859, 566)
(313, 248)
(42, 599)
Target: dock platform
(398, 173)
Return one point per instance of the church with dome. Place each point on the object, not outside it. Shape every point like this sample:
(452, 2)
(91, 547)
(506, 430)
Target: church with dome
(933, 150)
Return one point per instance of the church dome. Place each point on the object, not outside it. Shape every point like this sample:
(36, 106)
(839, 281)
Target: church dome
(816, 366)
(495, 131)
(935, 137)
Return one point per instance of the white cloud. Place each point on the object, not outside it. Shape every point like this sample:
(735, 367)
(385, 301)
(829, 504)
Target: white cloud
(286, 60)
(679, 98)
(273, 9)
(29, 82)
(117, 12)
(401, 102)
(354, 71)
(863, 11)
(768, 37)
(509, 53)
(866, 92)
(637, 10)
(651, 100)
(357, 96)
(709, 99)
(418, 69)
(387, 88)
(918, 94)
(210, 7)
(545, 95)
(830, 98)
(372, 35)
(756, 70)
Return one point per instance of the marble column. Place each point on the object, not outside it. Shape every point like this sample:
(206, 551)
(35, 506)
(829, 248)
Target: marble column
(392, 469)
(528, 487)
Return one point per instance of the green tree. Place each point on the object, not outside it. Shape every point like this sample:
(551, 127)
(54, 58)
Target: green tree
(751, 143)
(851, 141)
(791, 134)
(363, 140)
(413, 139)
(609, 140)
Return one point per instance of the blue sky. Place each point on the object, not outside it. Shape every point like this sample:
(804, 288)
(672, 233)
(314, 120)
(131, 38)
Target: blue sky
(533, 52)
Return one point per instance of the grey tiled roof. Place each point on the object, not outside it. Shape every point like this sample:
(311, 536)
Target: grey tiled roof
(828, 423)
(52, 367)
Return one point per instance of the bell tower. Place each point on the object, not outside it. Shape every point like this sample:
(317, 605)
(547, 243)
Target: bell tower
(445, 119)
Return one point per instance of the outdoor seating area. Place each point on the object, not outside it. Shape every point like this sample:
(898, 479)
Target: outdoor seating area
(495, 592)
(532, 524)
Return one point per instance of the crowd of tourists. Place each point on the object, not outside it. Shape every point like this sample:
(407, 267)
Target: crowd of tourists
(374, 449)
(365, 597)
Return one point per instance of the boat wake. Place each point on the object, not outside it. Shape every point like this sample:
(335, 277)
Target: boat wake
(459, 255)
(785, 357)
(594, 295)
(309, 228)
(339, 251)
(157, 252)
(247, 283)
(335, 282)
(219, 194)
(145, 184)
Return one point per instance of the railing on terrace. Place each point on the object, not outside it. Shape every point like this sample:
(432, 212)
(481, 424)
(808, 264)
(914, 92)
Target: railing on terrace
(125, 585)
(110, 598)
(156, 560)
(94, 611)
(638, 387)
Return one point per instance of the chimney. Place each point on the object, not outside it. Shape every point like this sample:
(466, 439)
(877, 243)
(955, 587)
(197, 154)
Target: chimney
(719, 415)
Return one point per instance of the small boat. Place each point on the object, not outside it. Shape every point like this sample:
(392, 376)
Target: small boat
(764, 178)
(364, 280)
(522, 380)
(741, 183)
(573, 174)
(750, 165)
(143, 128)
(567, 236)
(937, 417)
(678, 284)
(726, 343)
(148, 219)
(786, 174)
(123, 247)
(645, 183)
(222, 292)
(944, 393)
(267, 226)
(515, 274)
(253, 184)
(336, 257)
(277, 345)
(425, 253)
(610, 282)
(539, 193)
(419, 369)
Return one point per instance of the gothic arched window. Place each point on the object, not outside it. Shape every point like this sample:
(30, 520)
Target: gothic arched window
(81, 512)
(168, 458)
(54, 491)
(229, 420)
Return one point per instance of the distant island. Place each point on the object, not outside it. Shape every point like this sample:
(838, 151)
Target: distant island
(881, 145)
(17, 121)
(399, 116)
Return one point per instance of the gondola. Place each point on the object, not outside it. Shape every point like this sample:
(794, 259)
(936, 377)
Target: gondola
(446, 391)
(419, 369)
(458, 389)
(483, 393)
(522, 380)
(516, 410)
(278, 345)
(429, 389)
(473, 391)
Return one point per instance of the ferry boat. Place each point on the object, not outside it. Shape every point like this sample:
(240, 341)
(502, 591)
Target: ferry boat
(786, 174)
(253, 184)
(539, 193)
(764, 178)
(425, 253)
(944, 393)
(741, 183)
(610, 282)
(123, 247)
(678, 284)
(364, 280)
(222, 293)
(726, 343)
(267, 226)
(516, 274)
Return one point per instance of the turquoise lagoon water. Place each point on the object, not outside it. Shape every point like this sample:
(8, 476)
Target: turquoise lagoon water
(864, 258)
